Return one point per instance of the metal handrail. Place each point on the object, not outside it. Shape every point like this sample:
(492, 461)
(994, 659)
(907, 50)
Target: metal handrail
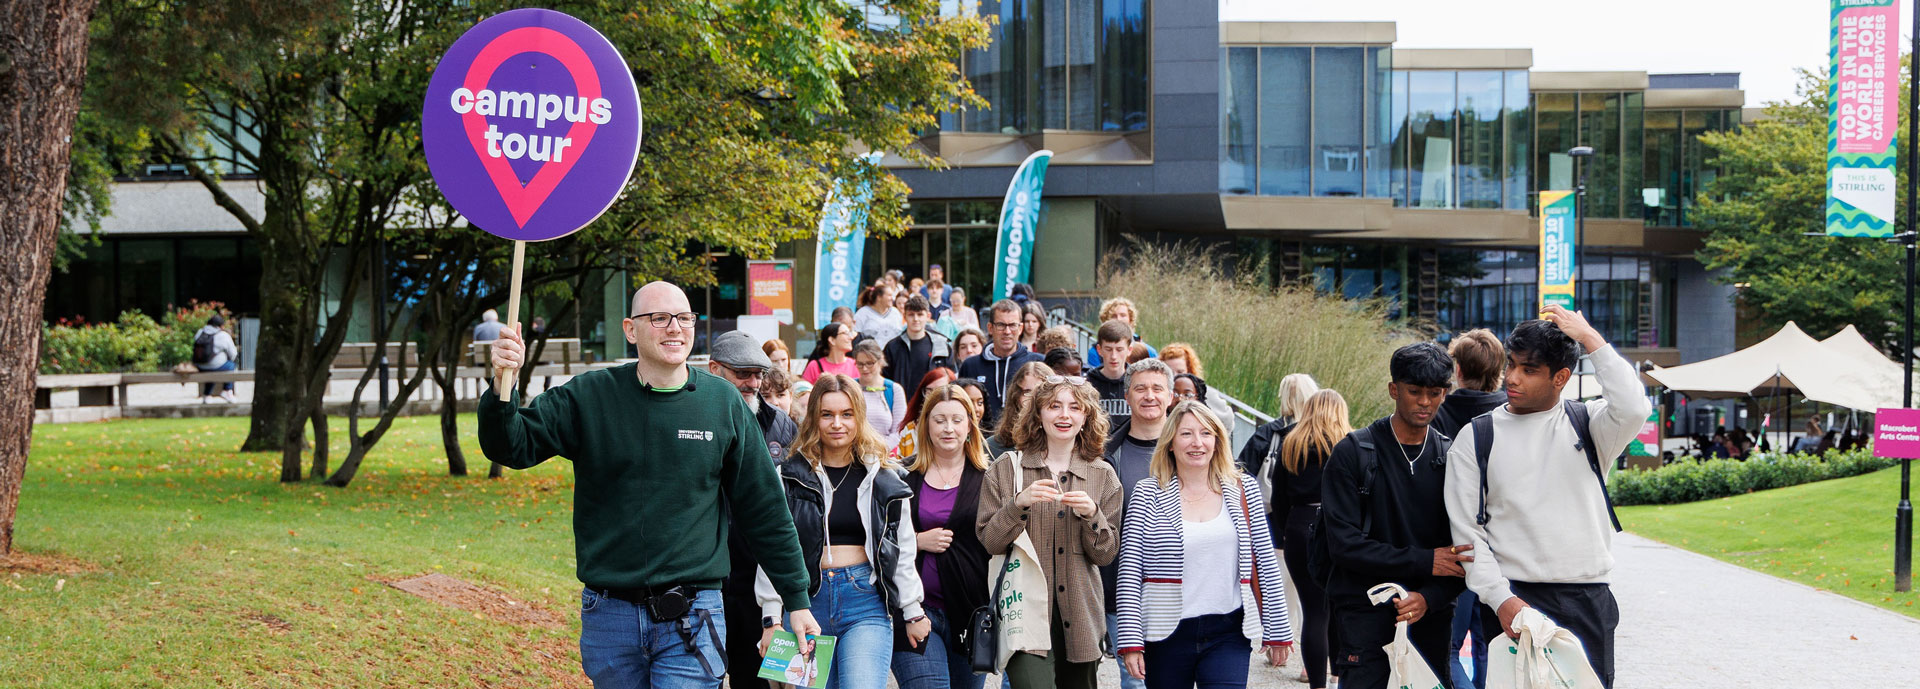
(1247, 417)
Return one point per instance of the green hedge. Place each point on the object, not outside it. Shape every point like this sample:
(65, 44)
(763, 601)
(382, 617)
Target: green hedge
(135, 343)
(1688, 481)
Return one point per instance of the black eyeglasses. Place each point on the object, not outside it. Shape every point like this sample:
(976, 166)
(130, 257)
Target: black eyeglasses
(1004, 326)
(745, 373)
(658, 319)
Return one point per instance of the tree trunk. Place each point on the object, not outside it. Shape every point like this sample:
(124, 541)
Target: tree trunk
(319, 440)
(450, 408)
(43, 59)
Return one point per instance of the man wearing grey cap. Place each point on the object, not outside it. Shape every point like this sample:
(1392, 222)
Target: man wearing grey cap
(739, 360)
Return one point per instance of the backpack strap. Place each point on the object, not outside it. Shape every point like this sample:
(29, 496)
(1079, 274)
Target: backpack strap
(1582, 422)
(1369, 463)
(1482, 450)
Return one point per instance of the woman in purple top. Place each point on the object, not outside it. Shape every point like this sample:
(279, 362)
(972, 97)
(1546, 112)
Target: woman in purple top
(945, 475)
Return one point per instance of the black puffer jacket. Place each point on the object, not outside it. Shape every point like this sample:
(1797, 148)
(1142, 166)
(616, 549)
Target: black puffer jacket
(887, 512)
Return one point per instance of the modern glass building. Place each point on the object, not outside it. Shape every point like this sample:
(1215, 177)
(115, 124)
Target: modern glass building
(1318, 150)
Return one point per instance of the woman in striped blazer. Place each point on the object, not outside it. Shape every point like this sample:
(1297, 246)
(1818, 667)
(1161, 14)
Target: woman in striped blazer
(1198, 577)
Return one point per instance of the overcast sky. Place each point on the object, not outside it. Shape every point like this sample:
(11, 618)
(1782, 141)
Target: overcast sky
(1763, 40)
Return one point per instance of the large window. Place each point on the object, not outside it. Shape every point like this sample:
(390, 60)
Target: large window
(1285, 120)
(1059, 64)
(1613, 124)
(1305, 121)
(1459, 139)
(959, 236)
(1675, 169)
(152, 274)
(1430, 98)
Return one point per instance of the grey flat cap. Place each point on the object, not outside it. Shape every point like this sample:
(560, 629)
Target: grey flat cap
(739, 350)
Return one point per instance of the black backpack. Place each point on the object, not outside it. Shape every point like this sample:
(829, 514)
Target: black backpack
(203, 351)
(1577, 415)
(1319, 553)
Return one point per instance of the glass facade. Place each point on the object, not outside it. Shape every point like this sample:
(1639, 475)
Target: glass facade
(1612, 122)
(1502, 289)
(958, 235)
(1305, 121)
(1674, 162)
(151, 274)
(1339, 121)
(1078, 65)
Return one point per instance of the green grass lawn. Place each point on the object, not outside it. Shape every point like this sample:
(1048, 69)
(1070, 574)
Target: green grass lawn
(1835, 535)
(212, 573)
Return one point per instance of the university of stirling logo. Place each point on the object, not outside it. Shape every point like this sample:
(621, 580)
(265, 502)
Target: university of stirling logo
(696, 435)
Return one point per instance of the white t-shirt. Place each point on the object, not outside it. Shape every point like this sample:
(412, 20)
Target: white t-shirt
(1210, 582)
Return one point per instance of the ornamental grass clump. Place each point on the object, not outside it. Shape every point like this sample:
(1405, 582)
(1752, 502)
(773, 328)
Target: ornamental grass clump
(1250, 335)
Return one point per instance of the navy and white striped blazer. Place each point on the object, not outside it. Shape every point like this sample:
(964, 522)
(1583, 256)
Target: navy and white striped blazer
(1153, 560)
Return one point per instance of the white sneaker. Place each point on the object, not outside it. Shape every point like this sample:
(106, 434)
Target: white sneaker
(227, 395)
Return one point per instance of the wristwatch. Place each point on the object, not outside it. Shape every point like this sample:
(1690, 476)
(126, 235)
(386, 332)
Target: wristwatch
(769, 622)
(916, 619)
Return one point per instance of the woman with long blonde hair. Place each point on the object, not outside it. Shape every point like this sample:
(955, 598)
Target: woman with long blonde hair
(1296, 496)
(1058, 491)
(945, 477)
(852, 510)
(1198, 578)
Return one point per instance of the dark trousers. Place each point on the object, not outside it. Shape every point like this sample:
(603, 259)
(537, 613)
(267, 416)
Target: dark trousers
(1208, 652)
(1587, 610)
(1313, 599)
(1052, 671)
(743, 642)
(1364, 629)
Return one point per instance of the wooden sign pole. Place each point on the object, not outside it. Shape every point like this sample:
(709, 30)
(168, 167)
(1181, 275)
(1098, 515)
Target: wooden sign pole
(502, 384)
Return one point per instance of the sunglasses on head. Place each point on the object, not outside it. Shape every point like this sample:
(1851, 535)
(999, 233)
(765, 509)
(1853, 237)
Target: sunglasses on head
(1072, 380)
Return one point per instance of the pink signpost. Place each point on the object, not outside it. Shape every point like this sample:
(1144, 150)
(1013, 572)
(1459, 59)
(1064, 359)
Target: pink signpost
(1896, 433)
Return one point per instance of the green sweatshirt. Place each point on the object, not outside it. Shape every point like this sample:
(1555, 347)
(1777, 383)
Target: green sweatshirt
(654, 474)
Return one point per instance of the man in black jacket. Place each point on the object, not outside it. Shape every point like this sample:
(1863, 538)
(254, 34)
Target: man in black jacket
(1385, 518)
(738, 359)
(1478, 358)
(917, 350)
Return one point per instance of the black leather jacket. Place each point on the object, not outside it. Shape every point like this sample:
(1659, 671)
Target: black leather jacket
(806, 499)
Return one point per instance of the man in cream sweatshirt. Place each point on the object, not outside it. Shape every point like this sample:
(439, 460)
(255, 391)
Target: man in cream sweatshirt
(1547, 538)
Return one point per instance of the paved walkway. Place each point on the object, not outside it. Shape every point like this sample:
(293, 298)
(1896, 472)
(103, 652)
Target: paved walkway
(1688, 620)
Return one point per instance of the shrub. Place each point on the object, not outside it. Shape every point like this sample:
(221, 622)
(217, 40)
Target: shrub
(1689, 481)
(134, 343)
(1251, 335)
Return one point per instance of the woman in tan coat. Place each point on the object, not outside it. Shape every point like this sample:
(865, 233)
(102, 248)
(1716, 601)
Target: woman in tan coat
(1067, 505)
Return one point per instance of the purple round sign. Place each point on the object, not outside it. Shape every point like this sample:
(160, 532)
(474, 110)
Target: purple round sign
(531, 124)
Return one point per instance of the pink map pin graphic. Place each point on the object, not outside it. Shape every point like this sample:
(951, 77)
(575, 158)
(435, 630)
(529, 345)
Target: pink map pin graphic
(524, 200)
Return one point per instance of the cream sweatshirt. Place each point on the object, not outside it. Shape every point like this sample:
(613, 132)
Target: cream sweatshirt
(1547, 518)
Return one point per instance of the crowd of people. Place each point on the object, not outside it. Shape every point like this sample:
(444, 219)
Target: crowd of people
(922, 474)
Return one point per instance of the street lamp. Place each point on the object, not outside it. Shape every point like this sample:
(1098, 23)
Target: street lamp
(1903, 514)
(1579, 235)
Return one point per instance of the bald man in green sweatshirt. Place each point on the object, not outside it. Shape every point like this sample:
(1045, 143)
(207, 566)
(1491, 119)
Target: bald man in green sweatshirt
(665, 458)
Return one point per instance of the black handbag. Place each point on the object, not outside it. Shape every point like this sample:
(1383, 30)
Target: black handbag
(981, 642)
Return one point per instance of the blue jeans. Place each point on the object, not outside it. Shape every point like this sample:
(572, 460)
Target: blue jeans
(1113, 641)
(206, 389)
(941, 666)
(1208, 652)
(1466, 616)
(623, 647)
(848, 608)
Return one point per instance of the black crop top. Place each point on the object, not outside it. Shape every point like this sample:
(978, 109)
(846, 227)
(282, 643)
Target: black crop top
(843, 521)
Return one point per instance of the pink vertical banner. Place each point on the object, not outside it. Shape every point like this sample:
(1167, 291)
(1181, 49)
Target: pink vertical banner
(1896, 433)
(1867, 74)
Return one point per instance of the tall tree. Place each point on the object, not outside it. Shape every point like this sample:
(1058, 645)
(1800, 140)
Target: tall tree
(43, 61)
(1770, 194)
